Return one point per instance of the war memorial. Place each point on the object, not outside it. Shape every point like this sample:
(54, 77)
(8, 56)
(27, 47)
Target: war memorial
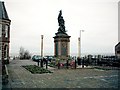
(63, 72)
(61, 40)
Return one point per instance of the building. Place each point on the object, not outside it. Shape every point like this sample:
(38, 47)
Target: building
(118, 21)
(117, 47)
(61, 40)
(4, 34)
(117, 50)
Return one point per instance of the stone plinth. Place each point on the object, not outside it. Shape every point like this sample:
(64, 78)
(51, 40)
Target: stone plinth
(62, 46)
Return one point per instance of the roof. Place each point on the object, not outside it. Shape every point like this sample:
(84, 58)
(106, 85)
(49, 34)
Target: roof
(117, 47)
(3, 12)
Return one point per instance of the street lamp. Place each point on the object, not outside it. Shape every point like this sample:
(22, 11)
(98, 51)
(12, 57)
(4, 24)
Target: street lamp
(79, 44)
(42, 46)
(42, 50)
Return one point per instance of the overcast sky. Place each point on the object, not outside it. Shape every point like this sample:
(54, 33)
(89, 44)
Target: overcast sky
(32, 18)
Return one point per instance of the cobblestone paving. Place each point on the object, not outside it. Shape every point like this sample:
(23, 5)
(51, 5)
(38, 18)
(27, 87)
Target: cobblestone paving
(62, 78)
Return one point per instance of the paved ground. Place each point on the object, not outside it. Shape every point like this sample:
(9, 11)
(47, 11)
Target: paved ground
(63, 78)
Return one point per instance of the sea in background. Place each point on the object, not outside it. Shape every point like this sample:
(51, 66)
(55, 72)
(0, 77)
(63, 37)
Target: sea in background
(72, 54)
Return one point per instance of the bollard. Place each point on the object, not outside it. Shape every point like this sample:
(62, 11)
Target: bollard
(83, 63)
(90, 59)
(75, 63)
(99, 59)
(41, 63)
(38, 63)
(46, 64)
(67, 64)
(58, 64)
(79, 61)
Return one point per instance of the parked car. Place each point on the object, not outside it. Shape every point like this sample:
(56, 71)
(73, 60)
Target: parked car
(49, 58)
(36, 57)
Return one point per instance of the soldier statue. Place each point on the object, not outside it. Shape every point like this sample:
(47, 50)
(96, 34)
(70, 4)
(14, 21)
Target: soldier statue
(61, 23)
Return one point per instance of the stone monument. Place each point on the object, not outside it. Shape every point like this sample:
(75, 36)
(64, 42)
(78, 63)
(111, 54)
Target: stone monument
(61, 40)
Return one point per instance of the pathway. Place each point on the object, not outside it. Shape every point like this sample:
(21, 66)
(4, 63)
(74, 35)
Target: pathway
(62, 78)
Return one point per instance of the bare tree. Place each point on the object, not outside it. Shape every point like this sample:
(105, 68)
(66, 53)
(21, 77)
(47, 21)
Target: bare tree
(21, 52)
(27, 55)
(24, 54)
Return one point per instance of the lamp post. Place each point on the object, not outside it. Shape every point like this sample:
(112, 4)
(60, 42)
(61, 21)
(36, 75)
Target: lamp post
(79, 44)
(42, 50)
(41, 45)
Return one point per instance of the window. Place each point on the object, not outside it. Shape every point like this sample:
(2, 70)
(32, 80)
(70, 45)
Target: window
(0, 51)
(6, 30)
(0, 30)
(0, 54)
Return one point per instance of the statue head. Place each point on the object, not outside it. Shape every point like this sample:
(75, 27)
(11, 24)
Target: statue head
(60, 12)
